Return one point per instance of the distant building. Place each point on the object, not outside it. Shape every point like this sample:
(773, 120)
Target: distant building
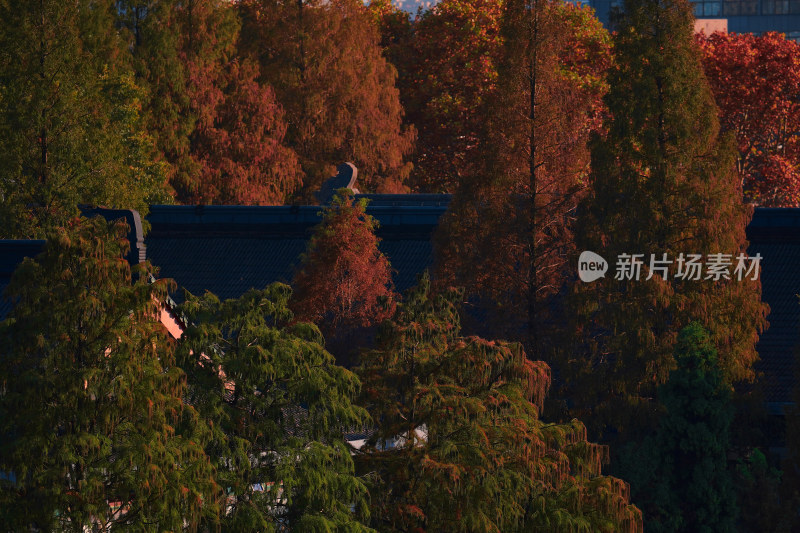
(737, 16)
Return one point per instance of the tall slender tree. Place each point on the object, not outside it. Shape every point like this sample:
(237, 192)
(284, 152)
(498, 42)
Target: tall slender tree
(663, 184)
(96, 434)
(70, 130)
(448, 71)
(508, 234)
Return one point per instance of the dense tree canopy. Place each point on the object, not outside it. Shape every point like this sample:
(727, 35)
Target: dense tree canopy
(663, 182)
(70, 130)
(755, 82)
(278, 406)
(95, 430)
(508, 233)
(324, 62)
(459, 444)
(220, 131)
(448, 70)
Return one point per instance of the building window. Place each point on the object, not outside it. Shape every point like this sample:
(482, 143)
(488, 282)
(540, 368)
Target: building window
(775, 7)
(793, 36)
(707, 8)
(740, 7)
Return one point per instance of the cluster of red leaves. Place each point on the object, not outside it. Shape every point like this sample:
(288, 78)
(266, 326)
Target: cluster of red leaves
(756, 81)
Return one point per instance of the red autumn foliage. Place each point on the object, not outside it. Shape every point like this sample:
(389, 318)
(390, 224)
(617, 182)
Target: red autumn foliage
(238, 141)
(756, 81)
(450, 71)
(344, 281)
(324, 61)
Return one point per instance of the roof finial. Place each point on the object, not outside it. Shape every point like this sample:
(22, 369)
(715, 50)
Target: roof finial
(345, 177)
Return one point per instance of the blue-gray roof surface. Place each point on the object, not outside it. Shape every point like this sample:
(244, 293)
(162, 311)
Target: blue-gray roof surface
(775, 234)
(229, 249)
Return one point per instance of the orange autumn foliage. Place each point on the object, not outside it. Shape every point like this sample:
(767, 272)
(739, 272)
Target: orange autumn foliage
(344, 281)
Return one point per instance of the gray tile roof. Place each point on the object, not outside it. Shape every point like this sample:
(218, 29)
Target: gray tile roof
(229, 249)
(775, 234)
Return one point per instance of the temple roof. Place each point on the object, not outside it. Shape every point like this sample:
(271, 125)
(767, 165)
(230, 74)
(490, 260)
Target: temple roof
(229, 249)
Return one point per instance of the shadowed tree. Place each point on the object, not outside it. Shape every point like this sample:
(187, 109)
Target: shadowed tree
(684, 482)
(459, 443)
(96, 435)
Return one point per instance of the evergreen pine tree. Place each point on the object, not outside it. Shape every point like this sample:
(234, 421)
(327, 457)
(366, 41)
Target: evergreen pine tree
(278, 406)
(96, 435)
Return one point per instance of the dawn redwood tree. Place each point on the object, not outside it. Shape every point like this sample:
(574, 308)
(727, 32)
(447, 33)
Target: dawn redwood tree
(278, 406)
(219, 131)
(238, 139)
(323, 60)
(663, 182)
(96, 435)
(344, 282)
(153, 41)
(448, 70)
(507, 236)
(684, 482)
(459, 443)
(70, 130)
(756, 80)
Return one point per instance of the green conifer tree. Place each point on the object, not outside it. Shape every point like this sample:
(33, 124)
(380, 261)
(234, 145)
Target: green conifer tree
(459, 444)
(95, 431)
(70, 130)
(683, 480)
(662, 182)
(278, 406)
